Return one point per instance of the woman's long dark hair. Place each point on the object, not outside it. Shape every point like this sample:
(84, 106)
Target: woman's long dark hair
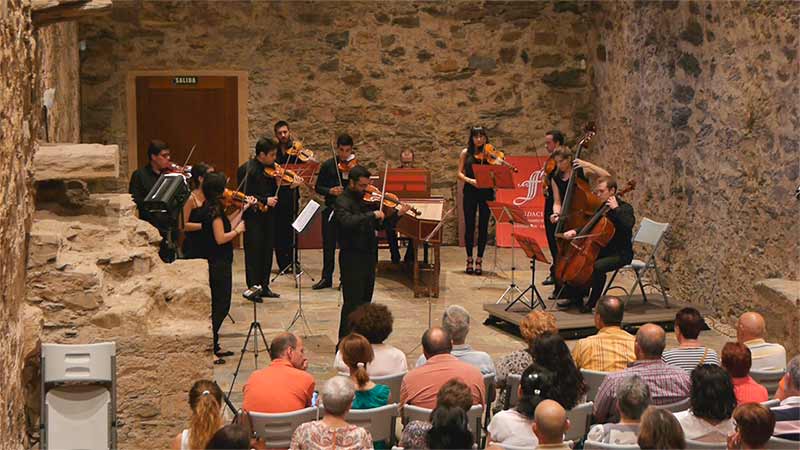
(213, 187)
(551, 352)
(712, 396)
(536, 384)
(199, 170)
(475, 131)
(449, 429)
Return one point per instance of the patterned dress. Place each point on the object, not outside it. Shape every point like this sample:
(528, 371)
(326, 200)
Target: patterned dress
(319, 436)
(514, 363)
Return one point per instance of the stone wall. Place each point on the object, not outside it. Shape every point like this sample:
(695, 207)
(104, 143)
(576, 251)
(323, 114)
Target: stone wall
(60, 65)
(18, 70)
(393, 74)
(697, 101)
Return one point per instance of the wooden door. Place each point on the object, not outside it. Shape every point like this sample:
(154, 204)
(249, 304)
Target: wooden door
(185, 111)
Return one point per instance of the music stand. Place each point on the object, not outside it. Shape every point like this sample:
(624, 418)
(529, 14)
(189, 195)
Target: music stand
(507, 212)
(534, 252)
(488, 176)
(299, 225)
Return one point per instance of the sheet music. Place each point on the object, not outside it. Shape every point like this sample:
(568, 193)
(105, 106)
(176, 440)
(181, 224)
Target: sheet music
(305, 216)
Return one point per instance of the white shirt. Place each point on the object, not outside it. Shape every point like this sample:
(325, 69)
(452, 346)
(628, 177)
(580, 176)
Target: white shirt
(465, 353)
(766, 355)
(697, 429)
(388, 361)
(509, 427)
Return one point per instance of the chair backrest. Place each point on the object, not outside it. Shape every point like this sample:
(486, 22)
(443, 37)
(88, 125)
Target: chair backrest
(594, 445)
(78, 417)
(593, 380)
(579, 419)
(512, 390)
(679, 406)
(491, 387)
(690, 444)
(394, 382)
(474, 415)
(91, 363)
(378, 421)
(771, 403)
(768, 378)
(776, 443)
(277, 429)
(650, 233)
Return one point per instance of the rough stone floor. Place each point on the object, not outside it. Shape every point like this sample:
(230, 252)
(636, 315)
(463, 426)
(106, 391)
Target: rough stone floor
(411, 314)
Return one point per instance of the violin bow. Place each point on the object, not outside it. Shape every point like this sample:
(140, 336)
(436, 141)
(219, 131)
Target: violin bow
(336, 164)
(383, 190)
(189, 156)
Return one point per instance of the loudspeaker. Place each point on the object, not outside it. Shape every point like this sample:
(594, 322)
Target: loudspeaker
(167, 196)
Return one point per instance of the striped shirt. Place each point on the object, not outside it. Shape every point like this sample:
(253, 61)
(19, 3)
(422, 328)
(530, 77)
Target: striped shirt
(766, 356)
(787, 419)
(667, 385)
(687, 358)
(610, 350)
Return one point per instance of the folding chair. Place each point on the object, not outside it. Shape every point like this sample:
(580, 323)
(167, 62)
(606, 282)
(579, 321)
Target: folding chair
(277, 428)
(394, 382)
(491, 394)
(771, 403)
(678, 406)
(650, 233)
(593, 380)
(776, 443)
(411, 413)
(579, 418)
(770, 379)
(594, 445)
(378, 421)
(690, 444)
(512, 390)
(79, 400)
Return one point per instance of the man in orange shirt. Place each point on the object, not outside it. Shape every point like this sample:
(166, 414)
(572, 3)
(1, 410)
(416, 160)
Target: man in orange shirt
(611, 349)
(421, 385)
(284, 385)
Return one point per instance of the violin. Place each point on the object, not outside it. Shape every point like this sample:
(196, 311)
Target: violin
(238, 199)
(285, 175)
(345, 166)
(493, 156)
(373, 196)
(186, 171)
(548, 170)
(301, 153)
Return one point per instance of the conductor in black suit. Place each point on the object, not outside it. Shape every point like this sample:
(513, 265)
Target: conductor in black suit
(357, 223)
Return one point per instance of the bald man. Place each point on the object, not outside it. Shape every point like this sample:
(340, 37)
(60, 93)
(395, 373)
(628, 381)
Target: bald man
(751, 329)
(549, 425)
(667, 384)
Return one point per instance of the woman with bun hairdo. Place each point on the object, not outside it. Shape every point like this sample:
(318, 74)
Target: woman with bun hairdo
(205, 399)
(357, 354)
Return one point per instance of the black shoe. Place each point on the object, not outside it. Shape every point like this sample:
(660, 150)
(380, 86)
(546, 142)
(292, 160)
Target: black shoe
(322, 284)
(549, 281)
(585, 309)
(267, 292)
(221, 354)
(564, 304)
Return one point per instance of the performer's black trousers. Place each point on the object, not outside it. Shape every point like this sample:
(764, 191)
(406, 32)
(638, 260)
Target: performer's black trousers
(258, 242)
(220, 280)
(328, 244)
(357, 273)
(550, 232)
(473, 203)
(284, 233)
(603, 265)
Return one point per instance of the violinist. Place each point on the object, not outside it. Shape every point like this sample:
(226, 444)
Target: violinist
(356, 225)
(193, 213)
(553, 142)
(618, 252)
(259, 238)
(218, 232)
(288, 203)
(474, 199)
(330, 183)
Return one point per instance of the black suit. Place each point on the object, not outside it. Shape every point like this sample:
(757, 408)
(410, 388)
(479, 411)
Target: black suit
(285, 213)
(328, 178)
(617, 253)
(259, 226)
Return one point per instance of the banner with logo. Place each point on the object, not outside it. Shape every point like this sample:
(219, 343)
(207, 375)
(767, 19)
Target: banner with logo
(528, 196)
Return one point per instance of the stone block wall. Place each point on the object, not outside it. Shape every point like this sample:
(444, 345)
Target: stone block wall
(58, 44)
(698, 102)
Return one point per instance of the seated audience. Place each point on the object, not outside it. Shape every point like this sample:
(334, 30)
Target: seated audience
(455, 321)
(449, 429)
(514, 426)
(333, 431)
(357, 354)
(660, 430)
(205, 399)
(549, 425)
(531, 327)
(754, 426)
(712, 402)
(736, 360)
(611, 349)
(633, 398)
(374, 321)
(689, 354)
(751, 329)
(551, 352)
(229, 437)
(453, 394)
(421, 385)
(667, 384)
(787, 414)
(284, 385)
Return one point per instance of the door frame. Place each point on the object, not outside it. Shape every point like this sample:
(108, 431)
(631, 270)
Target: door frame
(241, 106)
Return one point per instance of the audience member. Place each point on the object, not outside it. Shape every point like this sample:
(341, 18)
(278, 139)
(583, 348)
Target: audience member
(751, 329)
(754, 426)
(611, 349)
(374, 321)
(533, 325)
(449, 429)
(736, 360)
(787, 414)
(284, 385)
(549, 425)
(668, 384)
(357, 354)
(205, 400)
(333, 431)
(689, 354)
(421, 385)
(454, 394)
(660, 430)
(455, 321)
(633, 398)
(712, 402)
(514, 426)
(229, 437)
(551, 352)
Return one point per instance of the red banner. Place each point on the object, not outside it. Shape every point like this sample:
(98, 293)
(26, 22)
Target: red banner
(528, 196)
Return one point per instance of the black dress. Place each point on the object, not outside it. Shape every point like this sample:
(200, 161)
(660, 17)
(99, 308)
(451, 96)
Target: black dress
(220, 273)
(474, 201)
(193, 245)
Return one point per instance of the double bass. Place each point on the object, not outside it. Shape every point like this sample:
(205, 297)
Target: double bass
(579, 203)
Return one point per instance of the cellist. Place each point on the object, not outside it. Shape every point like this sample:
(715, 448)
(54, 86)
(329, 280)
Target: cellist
(618, 252)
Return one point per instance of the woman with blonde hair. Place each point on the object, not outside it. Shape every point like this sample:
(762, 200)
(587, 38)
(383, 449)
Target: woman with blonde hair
(205, 399)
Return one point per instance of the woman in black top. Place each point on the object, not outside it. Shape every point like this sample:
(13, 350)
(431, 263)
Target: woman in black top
(194, 210)
(474, 199)
(218, 232)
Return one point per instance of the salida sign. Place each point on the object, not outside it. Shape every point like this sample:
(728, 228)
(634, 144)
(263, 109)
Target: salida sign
(528, 196)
